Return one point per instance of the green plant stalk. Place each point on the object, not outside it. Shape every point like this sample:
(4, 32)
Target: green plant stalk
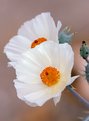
(76, 94)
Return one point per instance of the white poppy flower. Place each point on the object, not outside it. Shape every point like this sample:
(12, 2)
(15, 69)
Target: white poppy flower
(44, 72)
(32, 33)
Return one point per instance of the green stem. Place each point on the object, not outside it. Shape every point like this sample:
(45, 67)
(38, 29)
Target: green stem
(76, 94)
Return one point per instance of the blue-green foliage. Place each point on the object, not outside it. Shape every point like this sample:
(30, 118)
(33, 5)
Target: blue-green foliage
(87, 72)
(84, 50)
(65, 36)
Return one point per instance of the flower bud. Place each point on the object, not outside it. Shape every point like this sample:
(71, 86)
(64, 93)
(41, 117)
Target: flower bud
(84, 50)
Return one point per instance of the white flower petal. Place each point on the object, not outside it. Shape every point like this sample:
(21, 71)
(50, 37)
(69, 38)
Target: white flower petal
(58, 55)
(59, 24)
(66, 57)
(41, 26)
(56, 99)
(16, 46)
(35, 60)
(32, 63)
(28, 75)
(39, 97)
(29, 103)
(72, 80)
(23, 88)
(34, 94)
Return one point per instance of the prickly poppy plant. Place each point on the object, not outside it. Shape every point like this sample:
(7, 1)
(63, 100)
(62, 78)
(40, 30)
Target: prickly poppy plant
(43, 60)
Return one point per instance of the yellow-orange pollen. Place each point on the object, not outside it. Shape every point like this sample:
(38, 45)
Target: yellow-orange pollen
(50, 76)
(38, 41)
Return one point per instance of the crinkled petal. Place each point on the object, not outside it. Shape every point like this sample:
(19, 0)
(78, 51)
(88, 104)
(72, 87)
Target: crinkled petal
(56, 99)
(34, 94)
(16, 46)
(59, 24)
(72, 80)
(23, 88)
(59, 55)
(39, 97)
(32, 63)
(41, 26)
(47, 54)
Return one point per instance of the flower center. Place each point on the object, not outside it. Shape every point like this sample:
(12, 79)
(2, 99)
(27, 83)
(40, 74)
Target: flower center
(50, 76)
(38, 41)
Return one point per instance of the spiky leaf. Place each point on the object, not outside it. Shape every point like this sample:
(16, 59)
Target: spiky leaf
(65, 36)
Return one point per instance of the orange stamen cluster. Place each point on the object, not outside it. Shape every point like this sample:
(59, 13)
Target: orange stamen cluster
(38, 41)
(50, 76)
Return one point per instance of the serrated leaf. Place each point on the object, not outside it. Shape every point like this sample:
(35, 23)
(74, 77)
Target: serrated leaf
(65, 36)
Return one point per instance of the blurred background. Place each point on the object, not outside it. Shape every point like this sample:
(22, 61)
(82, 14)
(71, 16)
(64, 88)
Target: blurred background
(72, 13)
